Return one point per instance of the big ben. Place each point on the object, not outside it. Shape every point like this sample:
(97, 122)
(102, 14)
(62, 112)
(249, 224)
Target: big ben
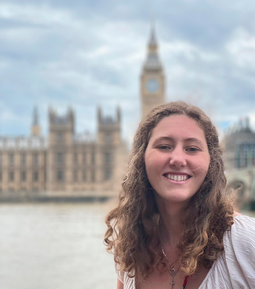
(152, 78)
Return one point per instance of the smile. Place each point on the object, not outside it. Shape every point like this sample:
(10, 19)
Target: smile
(178, 178)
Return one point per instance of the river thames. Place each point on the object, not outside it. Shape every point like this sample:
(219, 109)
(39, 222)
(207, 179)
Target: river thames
(49, 246)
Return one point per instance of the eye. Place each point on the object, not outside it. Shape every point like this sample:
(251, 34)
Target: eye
(192, 149)
(164, 147)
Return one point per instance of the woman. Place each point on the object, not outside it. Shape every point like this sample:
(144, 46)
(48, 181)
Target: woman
(174, 226)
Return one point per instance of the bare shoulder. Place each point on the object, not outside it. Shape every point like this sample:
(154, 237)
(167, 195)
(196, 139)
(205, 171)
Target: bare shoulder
(119, 284)
(236, 214)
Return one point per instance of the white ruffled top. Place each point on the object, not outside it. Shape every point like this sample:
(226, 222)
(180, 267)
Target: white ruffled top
(235, 268)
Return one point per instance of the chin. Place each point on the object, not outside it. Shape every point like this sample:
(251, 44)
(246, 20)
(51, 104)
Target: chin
(181, 199)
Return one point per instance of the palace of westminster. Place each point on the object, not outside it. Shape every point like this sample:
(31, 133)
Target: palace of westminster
(69, 162)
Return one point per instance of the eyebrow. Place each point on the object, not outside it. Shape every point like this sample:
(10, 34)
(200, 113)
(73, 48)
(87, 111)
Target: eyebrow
(190, 139)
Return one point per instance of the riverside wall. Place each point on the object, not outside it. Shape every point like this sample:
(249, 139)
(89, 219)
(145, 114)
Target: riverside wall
(56, 196)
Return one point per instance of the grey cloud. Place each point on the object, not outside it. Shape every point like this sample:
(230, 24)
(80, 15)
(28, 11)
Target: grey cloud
(90, 53)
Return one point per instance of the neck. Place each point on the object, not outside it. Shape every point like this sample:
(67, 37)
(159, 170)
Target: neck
(171, 224)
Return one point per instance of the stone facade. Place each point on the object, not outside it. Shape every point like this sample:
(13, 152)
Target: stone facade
(23, 163)
(64, 161)
(239, 159)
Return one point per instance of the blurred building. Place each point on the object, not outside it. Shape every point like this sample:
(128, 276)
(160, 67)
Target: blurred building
(239, 158)
(64, 161)
(152, 82)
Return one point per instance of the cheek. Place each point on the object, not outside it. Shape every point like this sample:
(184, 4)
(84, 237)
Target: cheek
(201, 167)
(153, 165)
(154, 161)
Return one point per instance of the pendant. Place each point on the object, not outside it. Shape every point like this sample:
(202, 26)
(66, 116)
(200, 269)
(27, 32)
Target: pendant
(172, 272)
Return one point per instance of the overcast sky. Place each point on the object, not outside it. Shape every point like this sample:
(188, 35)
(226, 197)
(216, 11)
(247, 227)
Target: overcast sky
(84, 54)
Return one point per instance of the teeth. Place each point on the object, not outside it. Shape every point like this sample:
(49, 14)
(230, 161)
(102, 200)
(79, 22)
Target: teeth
(178, 178)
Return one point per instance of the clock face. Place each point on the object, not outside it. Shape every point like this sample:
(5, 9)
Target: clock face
(152, 85)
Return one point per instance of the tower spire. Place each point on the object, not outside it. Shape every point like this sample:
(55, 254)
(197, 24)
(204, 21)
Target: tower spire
(152, 62)
(35, 127)
(153, 41)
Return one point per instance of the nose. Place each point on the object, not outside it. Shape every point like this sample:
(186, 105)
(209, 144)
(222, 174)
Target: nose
(178, 158)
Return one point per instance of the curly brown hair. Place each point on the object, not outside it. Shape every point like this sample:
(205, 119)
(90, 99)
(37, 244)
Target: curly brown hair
(133, 227)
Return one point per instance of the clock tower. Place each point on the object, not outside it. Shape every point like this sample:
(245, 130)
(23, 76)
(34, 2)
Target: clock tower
(152, 89)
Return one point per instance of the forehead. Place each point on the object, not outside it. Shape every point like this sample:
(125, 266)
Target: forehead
(180, 125)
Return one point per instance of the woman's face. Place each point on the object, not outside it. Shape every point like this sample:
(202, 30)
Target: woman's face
(176, 159)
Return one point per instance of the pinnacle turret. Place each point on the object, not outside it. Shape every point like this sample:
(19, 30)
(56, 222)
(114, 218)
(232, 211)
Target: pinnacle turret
(35, 127)
(35, 121)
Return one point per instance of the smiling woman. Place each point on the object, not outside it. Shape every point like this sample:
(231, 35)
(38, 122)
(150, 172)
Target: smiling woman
(176, 159)
(174, 226)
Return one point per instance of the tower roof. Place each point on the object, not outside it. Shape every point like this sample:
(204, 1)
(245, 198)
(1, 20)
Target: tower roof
(152, 62)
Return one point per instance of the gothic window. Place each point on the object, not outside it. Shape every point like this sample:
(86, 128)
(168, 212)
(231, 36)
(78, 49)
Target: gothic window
(93, 158)
(11, 159)
(241, 157)
(84, 158)
(75, 158)
(59, 137)
(246, 155)
(108, 165)
(93, 177)
(84, 176)
(108, 137)
(23, 159)
(11, 176)
(108, 158)
(35, 160)
(35, 177)
(60, 158)
(60, 175)
(23, 176)
(75, 176)
(107, 173)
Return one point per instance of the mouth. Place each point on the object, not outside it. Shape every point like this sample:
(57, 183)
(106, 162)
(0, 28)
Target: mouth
(177, 177)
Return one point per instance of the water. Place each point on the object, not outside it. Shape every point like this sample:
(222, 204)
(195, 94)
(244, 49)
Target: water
(49, 246)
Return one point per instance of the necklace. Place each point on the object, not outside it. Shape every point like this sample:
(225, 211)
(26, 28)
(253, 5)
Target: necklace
(172, 271)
